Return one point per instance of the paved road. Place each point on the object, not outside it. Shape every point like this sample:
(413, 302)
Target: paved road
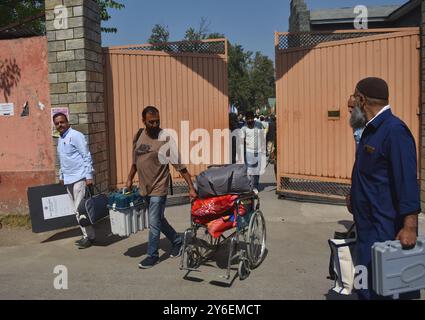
(295, 268)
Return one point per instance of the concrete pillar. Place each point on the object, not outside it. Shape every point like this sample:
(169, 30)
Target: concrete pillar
(76, 73)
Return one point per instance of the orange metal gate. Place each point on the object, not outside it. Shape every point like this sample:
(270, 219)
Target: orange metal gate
(186, 81)
(316, 73)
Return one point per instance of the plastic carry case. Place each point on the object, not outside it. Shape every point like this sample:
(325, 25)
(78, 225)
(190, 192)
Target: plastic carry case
(123, 199)
(127, 213)
(397, 271)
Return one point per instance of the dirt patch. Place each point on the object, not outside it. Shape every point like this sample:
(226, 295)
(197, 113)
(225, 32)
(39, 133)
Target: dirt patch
(15, 221)
(18, 236)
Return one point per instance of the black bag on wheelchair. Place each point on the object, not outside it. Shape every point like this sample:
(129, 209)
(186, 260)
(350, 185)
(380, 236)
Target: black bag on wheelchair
(223, 180)
(92, 208)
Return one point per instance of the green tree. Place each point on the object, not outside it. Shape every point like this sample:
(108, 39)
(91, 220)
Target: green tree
(12, 11)
(104, 6)
(216, 35)
(262, 76)
(251, 79)
(238, 77)
(196, 35)
(15, 11)
(160, 34)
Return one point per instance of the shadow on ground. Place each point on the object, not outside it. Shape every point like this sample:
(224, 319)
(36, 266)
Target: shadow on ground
(217, 263)
(141, 249)
(104, 237)
(332, 295)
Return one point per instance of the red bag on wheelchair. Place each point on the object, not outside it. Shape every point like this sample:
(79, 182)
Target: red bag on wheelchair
(206, 210)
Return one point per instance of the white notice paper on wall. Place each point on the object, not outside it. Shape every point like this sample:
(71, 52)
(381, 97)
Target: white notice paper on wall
(57, 206)
(7, 110)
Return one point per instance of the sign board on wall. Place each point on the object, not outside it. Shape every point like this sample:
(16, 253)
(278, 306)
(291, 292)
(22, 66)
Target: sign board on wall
(54, 111)
(7, 110)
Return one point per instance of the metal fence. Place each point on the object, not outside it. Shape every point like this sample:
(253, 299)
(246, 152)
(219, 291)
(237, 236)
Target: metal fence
(305, 40)
(205, 47)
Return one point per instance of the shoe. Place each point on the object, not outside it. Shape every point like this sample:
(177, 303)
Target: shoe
(85, 243)
(84, 221)
(148, 262)
(176, 251)
(77, 242)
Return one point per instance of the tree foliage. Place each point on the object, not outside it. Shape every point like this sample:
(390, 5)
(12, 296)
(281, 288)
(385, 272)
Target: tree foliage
(160, 34)
(104, 6)
(251, 77)
(200, 34)
(239, 76)
(262, 77)
(15, 11)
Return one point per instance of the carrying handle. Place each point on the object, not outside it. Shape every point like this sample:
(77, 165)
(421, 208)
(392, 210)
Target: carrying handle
(217, 166)
(125, 190)
(351, 228)
(90, 190)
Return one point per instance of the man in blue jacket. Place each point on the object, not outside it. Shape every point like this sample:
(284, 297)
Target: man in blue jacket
(76, 170)
(385, 197)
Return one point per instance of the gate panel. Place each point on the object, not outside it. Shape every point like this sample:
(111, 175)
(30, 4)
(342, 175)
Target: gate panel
(186, 82)
(316, 148)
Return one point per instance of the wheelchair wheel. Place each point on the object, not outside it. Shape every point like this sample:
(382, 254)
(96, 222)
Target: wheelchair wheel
(192, 259)
(205, 242)
(256, 239)
(243, 269)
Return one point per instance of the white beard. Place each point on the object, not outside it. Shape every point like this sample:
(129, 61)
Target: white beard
(358, 118)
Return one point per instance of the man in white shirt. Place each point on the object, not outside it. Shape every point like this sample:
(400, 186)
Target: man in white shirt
(76, 171)
(254, 137)
(264, 123)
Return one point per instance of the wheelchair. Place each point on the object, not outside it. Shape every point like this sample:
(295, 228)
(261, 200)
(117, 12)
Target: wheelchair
(246, 240)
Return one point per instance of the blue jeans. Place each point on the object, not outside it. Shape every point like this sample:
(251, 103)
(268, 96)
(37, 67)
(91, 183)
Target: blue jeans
(158, 224)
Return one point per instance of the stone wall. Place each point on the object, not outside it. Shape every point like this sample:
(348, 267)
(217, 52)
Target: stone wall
(76, 74)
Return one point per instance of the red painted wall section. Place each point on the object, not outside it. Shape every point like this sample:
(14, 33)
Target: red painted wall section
(26, 150)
